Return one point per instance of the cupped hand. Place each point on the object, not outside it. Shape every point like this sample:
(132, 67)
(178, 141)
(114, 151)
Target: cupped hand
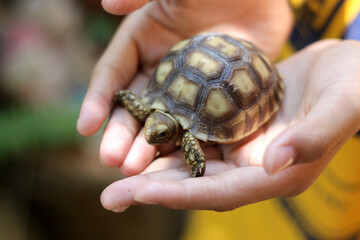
(144, 37)
(320, 111)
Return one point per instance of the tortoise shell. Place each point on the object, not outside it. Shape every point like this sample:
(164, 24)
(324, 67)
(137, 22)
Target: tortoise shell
(219, 88)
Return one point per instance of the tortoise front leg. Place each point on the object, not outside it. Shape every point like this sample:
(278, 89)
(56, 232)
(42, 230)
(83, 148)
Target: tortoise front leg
(133, 104)
(193, 154)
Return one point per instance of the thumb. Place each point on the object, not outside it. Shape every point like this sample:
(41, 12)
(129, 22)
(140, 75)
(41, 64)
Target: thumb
(122, 7)
(318, 136)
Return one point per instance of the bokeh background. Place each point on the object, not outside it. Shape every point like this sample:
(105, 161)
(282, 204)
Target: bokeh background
(51, 177)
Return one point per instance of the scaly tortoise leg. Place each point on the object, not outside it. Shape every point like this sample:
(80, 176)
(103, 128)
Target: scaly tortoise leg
(193, 154)
(133, 104)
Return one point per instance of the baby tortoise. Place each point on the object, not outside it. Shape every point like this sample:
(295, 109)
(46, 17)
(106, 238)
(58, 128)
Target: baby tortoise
(209, 88)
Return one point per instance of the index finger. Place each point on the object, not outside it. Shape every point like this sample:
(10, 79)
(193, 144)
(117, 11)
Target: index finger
(229, 189)
(225, 191)
(114, 71)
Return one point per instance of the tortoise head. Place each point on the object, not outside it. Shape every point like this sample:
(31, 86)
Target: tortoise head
(160, 128)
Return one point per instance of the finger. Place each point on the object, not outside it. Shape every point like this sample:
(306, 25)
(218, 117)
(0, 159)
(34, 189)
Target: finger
(318, 136)
(228, 189)
(139, 157)
(118, 137)
(121, 130)
(121, 7)
(175, 160)
(331, 113)
(225, 191)
(120, 194)
(113, 72)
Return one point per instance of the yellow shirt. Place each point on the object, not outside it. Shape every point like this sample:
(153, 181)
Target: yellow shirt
(330, 208)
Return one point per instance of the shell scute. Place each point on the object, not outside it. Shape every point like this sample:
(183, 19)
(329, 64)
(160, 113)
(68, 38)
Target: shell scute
(218, 105)
(223, 46)
(185, 91)
(163, 71)
(244, 84)
(205, 64)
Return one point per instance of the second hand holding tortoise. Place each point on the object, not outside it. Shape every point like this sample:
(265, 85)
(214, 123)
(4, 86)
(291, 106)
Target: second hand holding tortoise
(209, 88)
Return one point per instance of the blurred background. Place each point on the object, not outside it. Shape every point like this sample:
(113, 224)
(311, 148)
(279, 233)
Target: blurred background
(50, 176)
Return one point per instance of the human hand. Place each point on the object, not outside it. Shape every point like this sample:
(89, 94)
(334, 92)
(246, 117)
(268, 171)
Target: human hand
(144, 37)
(262, 22)
(320, 111)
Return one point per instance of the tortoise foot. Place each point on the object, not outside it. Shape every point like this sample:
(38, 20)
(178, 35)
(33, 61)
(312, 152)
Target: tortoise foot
(133, 104)
(193, 154)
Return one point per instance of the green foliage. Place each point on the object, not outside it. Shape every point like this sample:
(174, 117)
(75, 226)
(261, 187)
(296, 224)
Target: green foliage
(23, 129)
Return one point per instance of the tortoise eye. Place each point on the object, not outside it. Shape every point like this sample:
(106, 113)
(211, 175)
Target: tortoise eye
(162, 134)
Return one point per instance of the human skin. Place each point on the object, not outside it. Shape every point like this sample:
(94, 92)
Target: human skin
(319, 113)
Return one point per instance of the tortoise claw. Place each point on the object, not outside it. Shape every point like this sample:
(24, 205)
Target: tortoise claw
(198, 170)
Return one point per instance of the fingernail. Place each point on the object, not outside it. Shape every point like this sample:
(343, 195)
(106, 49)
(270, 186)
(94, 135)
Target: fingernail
(282, 166)
(284, 159)
(145, 201)
(120, 209)
(142, 195)
(81, 121)
(147, 194)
